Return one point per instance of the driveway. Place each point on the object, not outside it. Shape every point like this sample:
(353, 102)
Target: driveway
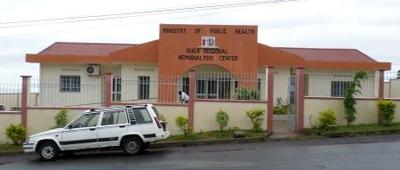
(364, 153)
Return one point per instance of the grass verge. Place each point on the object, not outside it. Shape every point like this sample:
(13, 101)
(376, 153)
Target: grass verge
(354, 130)
(10, 149)
(212, 135)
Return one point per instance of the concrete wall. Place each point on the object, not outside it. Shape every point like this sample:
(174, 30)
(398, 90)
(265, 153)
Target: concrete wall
(42, 119)
(170, 113)
(367, 111)
(9, 100)
(204, 118)
(397, 111)
(5, 120)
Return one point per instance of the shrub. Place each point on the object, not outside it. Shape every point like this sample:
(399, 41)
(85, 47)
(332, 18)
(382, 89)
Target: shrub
(386, 111)
(61, 118)
(183, 124)
(280, 108)
(326, 120)
(16, 133)
(256, 118)
(222, 119)
(247, 94)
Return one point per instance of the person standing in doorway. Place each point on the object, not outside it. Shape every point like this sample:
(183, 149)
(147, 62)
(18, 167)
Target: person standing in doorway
(183, 97)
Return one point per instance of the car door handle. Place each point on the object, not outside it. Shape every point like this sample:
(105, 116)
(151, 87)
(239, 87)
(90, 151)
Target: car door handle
(92, 129)
(122, 126)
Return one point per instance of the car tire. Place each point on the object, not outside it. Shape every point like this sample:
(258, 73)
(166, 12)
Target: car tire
(132, 145)
(48, 151)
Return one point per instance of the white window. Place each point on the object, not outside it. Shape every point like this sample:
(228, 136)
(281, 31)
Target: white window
(70, 83)
(208, 41)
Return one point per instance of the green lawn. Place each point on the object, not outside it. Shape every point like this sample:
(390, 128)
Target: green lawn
(10, 148)
(227, 134)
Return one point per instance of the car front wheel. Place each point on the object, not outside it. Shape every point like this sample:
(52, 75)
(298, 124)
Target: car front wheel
(48, 151)
(132, 145)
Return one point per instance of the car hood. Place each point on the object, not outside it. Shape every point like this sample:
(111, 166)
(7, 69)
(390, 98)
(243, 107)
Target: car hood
(47, 132)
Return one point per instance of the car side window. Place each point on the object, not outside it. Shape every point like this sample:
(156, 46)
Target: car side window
(142, 115)
(114, 117)
(86, 120)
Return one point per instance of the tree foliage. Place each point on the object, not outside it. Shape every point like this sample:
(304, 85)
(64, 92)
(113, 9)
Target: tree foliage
(349, 101)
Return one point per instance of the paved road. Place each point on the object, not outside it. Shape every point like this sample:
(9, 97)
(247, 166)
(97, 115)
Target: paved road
(375, 153)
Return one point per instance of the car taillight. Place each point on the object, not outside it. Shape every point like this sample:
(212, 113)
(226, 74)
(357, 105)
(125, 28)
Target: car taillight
(158, 123)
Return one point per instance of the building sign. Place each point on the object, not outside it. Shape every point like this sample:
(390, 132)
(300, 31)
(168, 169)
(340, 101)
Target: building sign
(232, 47)
(207, 51)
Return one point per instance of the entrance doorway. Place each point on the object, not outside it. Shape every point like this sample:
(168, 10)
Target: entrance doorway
(284, 125)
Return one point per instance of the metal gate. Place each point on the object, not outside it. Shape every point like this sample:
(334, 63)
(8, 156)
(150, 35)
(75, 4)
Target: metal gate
(291, 115)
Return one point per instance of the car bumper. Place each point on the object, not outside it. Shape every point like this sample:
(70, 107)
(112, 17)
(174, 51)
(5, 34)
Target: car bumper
(163, 135)
(28, 147)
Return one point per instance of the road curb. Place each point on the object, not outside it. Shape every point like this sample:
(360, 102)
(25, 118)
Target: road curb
(165, 144)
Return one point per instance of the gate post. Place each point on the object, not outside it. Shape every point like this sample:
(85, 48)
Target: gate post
(108, 90)
(270, 97)
(381, 90)
(299, 99)
(24, 100)
(192, 96)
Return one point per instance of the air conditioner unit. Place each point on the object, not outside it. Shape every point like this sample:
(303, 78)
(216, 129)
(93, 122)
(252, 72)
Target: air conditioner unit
(93, 69)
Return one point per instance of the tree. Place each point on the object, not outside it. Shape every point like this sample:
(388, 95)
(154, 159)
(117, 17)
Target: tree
(349, 101)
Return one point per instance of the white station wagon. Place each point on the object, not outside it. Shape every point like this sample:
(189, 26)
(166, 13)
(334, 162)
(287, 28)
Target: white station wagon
(129, 128)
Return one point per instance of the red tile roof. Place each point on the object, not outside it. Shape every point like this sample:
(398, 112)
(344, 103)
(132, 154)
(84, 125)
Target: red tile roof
(83, 49)
(80, 53)
(328, 55)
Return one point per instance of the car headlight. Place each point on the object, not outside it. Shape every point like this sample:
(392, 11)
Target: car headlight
(27, 140)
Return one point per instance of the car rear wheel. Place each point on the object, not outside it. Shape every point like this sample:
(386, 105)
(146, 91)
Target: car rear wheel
(132, 145)
(48, 151)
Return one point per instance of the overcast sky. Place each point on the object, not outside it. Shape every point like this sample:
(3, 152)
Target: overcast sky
(369, 25)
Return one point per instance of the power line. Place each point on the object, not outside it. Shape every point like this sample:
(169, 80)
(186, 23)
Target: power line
(88, 18)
